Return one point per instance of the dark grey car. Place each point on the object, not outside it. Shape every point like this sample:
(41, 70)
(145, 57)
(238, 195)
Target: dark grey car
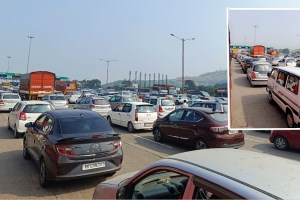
(69, 144)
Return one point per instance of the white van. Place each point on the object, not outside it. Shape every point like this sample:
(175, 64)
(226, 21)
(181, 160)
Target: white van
(283, 88)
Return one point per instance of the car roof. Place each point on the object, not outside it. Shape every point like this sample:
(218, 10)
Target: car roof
(9, 93)
(201, 109)
(293, 70)
(275, 175)
(73, 113)
(260, 62)
(32, 102)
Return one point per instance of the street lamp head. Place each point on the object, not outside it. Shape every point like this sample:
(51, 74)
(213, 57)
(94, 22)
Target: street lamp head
(193, 38)
(172, 34)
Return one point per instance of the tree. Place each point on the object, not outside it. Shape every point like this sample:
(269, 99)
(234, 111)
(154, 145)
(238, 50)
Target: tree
(190, 85)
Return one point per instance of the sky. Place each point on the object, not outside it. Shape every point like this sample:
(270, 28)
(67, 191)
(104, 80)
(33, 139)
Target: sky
(71, 36)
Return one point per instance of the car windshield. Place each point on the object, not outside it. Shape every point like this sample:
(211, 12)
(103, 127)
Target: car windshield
(57, 98)
(78, 125)
(145, 109)
(219, 117)
(263, 68)
(100, 102)
(167, 102)
(11, 96)
(37, 108)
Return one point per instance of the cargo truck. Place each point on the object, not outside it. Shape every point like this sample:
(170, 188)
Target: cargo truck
(65, 86)
(257, 51)
(36, 84)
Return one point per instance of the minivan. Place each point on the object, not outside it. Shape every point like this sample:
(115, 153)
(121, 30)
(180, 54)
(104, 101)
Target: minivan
(282, 88)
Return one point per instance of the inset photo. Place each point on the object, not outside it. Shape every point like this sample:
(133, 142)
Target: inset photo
(264, 68)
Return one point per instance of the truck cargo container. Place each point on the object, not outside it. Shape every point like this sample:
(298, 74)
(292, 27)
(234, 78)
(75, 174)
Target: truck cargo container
(65, 86)
(36, 84)
(257, 51)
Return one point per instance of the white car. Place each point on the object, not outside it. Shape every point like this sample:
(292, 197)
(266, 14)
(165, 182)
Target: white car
(287, 62)
(24, 112)
(179, 98)
(8, 101)
(162, 105)
(133, 115)
(73, 97)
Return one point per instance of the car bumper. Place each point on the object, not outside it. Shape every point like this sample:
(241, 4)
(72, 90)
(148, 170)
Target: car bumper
(143, 125)
(259, 82)
(66, 169)
(228, 141)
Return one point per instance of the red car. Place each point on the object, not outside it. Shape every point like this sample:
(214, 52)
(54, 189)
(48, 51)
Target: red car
(284, 139)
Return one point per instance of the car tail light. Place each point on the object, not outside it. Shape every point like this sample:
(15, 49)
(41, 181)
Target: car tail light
(92, 106)
(218, 129)
(136, 115)
(160, 109)
(65, 150)
(253, 75)
(1, 101)
(22, 116)
(117, 144)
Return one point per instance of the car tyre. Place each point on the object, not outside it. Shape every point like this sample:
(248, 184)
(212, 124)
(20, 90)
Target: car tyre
(290, 120)
(130, 127)
(26, 155)
(200, 144)
(281, 143)
(270, 98)
(44, 182)
(157, 135)
(8, 125)
(16, 133)
(109, 120)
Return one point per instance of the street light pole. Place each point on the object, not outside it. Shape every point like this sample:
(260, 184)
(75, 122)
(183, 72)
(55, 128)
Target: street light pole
(9, 57)
(30, 37)
(107, 61)
(183, 40)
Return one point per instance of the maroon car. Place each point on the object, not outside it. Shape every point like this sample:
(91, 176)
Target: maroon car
(198, 127)
(284, 139)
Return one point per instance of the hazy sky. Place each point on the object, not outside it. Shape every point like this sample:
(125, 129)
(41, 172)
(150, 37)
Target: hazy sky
(275, 28)
(72, 35)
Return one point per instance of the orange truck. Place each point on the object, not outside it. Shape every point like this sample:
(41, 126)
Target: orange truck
(257, 51)
(36, 84)
(65, 86)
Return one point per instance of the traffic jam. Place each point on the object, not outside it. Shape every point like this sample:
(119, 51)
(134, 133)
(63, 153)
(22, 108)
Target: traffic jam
(274, 78)
(71, 133)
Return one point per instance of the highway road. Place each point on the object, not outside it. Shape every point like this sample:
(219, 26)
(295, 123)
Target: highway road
(250, 107)
(19, 177)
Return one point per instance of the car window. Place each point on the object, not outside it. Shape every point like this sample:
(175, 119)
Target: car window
(225, 108)
(274, 73)
(127, 108)
(193, 116)
(39, 122)
(281, 78)
(82, 101)
(37, 108)
(128, 99)
(147, 100)
(145, 108)
(219, 117)
(47, 125)
(76, 125)
(57, 98)
(176, 115)
(167, 102)
(100, 102)
(10, 96)
(292, 84)
(119, 108)
(17, 107)
(160, 185)
(153, 101)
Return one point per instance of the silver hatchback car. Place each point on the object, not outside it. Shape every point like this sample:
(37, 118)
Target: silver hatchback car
(58, 101)
(257, 73)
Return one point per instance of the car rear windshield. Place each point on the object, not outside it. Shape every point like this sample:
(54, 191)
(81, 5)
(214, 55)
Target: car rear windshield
(11, 96)
(78, 125)
(219, 117)
(128, 99)
(145, 109)
(263, 68)
(57, 98)
(37, 108)
(167, 102)
(100, 102)
(225, 108)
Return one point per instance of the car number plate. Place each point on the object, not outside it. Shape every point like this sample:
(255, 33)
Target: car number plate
(148, 124)
(93, 165)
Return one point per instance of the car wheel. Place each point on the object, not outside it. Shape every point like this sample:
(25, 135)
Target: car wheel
(43, 174)
(281, 143)
(289, 120)
(130, 127)
(109, 120)
(157, 135)
(16, 133)
(270, 98)
(26, 155)
(200, 144)
(8, 125)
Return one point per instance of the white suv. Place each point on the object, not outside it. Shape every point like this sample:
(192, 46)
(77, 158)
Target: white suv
(162, 105)
(24, 112)
(133, 115)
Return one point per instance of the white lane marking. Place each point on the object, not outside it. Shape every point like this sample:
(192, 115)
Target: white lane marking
(153, 141)
(254, 140)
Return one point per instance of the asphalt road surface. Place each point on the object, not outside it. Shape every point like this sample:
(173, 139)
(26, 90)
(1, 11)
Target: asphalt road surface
(19, 177)
(250, 107)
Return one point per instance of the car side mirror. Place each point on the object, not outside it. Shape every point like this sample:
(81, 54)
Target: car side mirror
(29, 125)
